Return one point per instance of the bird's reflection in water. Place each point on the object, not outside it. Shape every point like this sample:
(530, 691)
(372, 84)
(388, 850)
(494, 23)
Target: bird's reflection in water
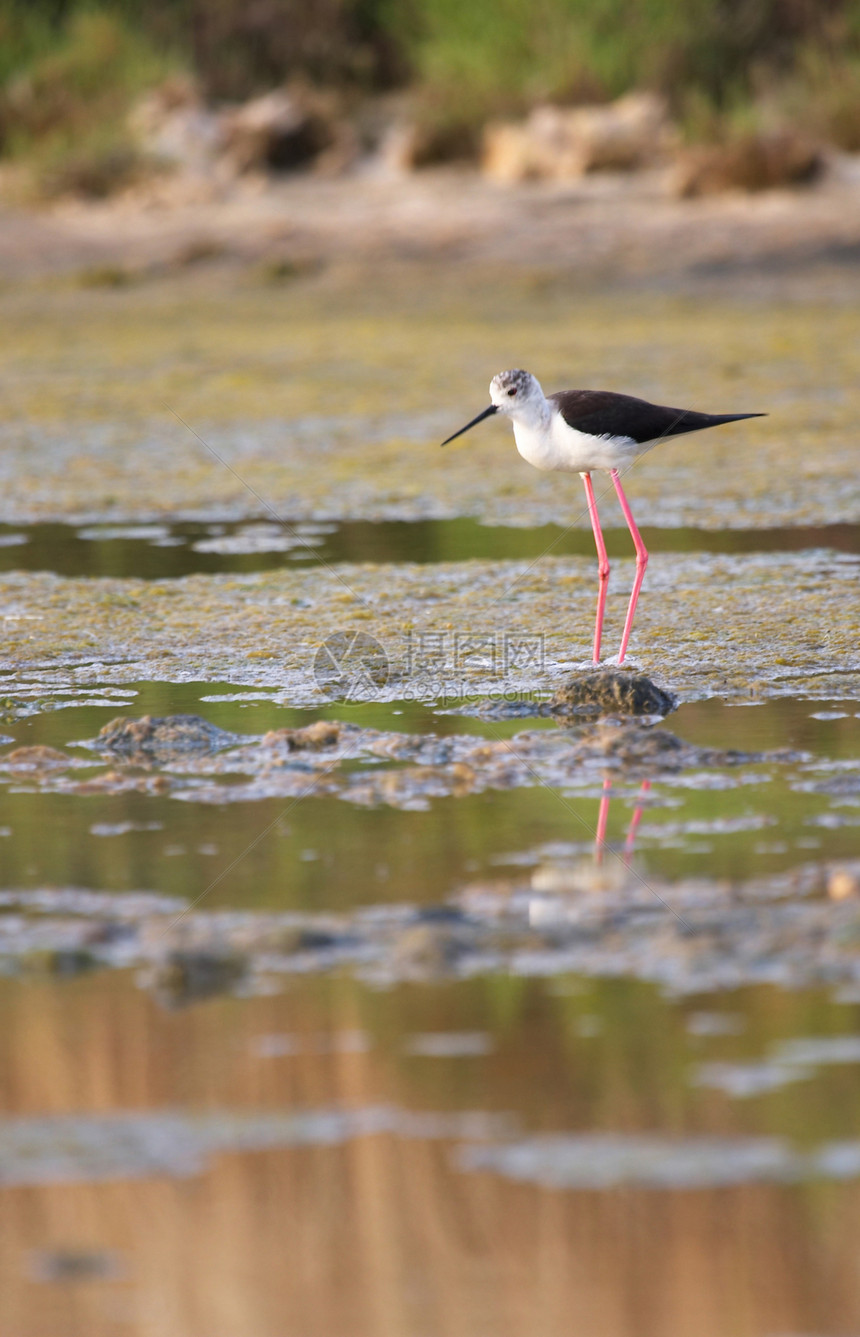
(558, 881)
(600, 845)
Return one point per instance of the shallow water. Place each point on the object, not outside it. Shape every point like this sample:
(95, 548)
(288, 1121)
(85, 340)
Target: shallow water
(737, 822)
(355, 1184)
(160, 551)
(423, 1033)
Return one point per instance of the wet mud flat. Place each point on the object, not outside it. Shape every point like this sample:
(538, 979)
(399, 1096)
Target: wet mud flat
(318, 402)
(790, 619)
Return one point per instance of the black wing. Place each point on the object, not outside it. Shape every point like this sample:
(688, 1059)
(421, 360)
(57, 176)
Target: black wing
(603, 413)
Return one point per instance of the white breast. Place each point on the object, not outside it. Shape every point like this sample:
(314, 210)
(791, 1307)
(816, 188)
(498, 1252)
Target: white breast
(557, 446)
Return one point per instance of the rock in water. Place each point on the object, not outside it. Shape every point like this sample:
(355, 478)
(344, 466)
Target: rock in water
(610, 692)
(37, 757)
(159, 738)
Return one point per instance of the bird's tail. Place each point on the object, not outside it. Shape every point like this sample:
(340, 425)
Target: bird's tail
(717, 418)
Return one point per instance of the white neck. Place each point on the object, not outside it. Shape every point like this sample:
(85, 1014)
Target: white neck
(533, 413)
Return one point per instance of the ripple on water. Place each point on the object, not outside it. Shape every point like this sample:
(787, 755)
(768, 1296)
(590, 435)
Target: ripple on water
(601, 1161)
(69, 1148)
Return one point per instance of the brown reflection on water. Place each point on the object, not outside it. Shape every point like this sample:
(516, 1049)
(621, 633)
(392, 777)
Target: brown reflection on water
(381, 1236)
(381, 1239)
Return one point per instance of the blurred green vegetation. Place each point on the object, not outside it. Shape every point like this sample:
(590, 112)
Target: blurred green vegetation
(722, 64)
(67, 90)
(563, 48)
(70, 69)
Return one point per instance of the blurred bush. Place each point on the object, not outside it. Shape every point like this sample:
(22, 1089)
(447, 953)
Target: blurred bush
(237, 48)
(64, 111)
(494, 57)
(497, 52)
(70, 69)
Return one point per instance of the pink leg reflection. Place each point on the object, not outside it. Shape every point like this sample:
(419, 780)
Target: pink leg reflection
(603, 819)
(634, 822)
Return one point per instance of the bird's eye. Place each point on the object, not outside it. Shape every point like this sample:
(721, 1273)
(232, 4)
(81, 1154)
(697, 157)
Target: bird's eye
(512, 392)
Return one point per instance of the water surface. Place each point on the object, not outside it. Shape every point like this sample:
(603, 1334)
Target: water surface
(160, 550)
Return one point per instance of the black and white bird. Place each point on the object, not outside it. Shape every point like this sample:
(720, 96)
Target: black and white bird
(578, 431)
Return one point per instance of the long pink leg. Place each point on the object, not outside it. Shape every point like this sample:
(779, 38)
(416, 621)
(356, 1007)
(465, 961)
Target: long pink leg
(602, 565)
(641, 562)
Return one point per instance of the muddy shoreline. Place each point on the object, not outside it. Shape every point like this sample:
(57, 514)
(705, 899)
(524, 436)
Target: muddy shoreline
(602, 231)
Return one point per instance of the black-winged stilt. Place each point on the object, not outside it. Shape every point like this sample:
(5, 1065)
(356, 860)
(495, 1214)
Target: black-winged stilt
(577, 431)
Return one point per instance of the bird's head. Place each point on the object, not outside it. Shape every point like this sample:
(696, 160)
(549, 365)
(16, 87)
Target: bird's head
(513, 390)
(515, 393)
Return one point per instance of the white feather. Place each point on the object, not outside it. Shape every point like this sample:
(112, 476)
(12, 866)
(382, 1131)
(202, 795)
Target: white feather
(543, 437)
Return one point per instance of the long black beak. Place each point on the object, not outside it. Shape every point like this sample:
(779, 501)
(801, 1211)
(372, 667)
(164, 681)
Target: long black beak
(480, 418)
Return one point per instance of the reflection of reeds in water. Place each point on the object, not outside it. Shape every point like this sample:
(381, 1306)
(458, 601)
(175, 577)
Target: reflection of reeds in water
(381, 1236)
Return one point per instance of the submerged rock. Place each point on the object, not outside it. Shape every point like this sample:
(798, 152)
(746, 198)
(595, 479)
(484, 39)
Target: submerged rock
(609, 691)
(65, 1265)
(426, 950)
(39, 757)
(521, 707)
(313, 737)
(186, 976)
(159, 738)
(638, 745)
(65, 961)
(630, 746)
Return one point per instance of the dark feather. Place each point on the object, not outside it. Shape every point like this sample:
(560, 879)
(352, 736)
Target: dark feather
(603, 413)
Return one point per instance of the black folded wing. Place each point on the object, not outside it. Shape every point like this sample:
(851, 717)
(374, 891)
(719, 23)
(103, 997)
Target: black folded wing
(603, 413)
